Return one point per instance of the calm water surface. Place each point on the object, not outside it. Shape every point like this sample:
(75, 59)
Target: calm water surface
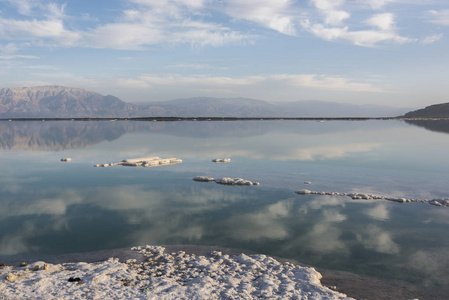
(49, 207)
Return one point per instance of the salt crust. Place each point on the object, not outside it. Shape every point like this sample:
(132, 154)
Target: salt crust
(167, 276)
(360, 196)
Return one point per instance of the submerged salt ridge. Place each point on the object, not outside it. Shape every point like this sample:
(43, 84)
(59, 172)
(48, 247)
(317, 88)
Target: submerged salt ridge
(360, 196)
(226, 180)
(167, 276)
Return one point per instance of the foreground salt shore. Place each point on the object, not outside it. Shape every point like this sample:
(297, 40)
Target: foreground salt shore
(162, 275)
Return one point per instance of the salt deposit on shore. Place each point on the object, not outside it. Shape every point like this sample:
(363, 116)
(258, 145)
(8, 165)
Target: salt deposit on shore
(360, 196)
(144, 162)
(226, 180)
(166, 276)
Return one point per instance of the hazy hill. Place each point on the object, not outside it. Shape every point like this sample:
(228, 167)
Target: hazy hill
(58, 101)
(333, 109)
(432, 111)
(217, 107)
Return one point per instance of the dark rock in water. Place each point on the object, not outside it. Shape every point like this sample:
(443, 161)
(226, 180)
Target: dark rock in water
(76, 279)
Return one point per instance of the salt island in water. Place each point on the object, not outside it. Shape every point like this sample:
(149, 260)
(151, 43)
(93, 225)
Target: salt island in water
(153, 161)
(226, 180)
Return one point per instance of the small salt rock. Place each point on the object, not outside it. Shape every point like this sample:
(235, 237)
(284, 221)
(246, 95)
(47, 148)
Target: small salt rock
(46, 266)
(36, 268)
(11, 277)
(304, 192)
(23, 264)
(307, 182)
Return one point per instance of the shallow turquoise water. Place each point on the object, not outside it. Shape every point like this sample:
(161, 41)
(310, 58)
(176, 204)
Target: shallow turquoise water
(49, 207)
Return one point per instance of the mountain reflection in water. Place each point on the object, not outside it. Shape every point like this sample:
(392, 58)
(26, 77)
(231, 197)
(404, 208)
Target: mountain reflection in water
(432, 125)
(63, 135)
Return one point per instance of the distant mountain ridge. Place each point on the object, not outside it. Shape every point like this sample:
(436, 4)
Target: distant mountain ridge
(61, 102)
(58, 101)
(433, 111)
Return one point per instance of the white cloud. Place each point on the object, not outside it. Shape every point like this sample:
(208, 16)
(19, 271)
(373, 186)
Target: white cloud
(199, 81)
(378, 4)
(327, 152)
(265, 224)
(177, 22)
(384, 22)
(52, 29)
(325, 238)
(313, 81)
(326, 82)
(148, 23)
(385, 31)
(171, 3)
(376, 239)
(8, 57)
(156, 22)
(432, 38)
(379, 212)
(190, 66)
(330, 9)
(270, 14)
(24, 7)
(43, 67)
(38, 8)
(381, 4)
(439, 17)
(9, 48)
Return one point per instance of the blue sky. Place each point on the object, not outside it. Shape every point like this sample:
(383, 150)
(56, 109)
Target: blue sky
(388, 52)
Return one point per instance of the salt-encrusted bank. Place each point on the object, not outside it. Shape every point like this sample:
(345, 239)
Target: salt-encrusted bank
(166, 276)
(360, 196)
(144, 162)
(226, 180)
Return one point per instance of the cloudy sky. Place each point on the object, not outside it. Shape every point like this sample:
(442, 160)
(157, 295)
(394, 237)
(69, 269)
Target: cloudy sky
(393, 52)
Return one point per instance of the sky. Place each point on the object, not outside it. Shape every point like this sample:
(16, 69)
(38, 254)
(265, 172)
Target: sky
(386, 52)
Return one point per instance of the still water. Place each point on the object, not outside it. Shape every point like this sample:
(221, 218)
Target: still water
(48, 207)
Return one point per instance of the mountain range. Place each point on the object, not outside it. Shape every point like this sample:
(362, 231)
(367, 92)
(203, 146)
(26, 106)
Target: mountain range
(63, 102)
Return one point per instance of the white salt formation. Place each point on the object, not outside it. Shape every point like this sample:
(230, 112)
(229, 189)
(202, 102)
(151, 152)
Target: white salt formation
(144, 162)
(67, 159)
(360, 196)
(235, 181)
(167, 276)
(226, 180)
(203, 179)
(221, 160)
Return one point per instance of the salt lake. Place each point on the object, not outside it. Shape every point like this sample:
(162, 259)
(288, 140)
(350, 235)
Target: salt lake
(49, 207)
